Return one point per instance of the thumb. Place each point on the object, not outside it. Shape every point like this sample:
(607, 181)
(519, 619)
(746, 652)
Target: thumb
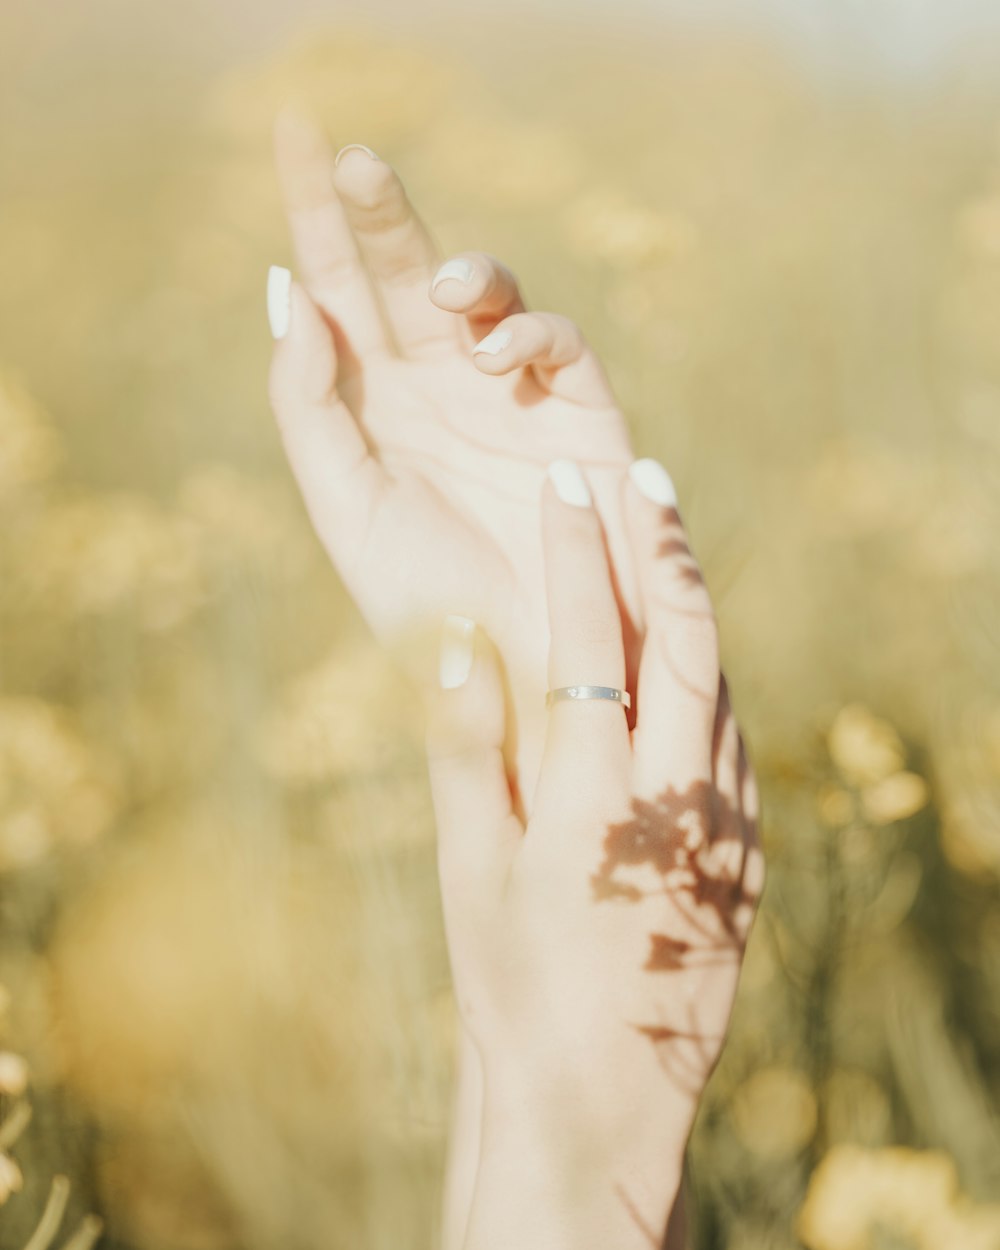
(340, 479)
(477, 828)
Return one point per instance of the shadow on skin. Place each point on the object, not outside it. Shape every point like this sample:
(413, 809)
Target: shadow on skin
(675, 548)
(670, 837)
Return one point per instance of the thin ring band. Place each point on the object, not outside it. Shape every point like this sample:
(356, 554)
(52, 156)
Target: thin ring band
(611, 693)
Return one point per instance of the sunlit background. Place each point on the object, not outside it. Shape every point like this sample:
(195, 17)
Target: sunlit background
(224, 995)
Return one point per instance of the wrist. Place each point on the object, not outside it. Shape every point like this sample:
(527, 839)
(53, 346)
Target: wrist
(557, 1171)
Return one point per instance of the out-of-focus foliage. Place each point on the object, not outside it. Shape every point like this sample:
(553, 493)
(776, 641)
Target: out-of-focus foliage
(219, 927)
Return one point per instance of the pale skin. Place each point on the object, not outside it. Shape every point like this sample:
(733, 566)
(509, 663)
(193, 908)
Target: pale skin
(596, 948)
(422, 463)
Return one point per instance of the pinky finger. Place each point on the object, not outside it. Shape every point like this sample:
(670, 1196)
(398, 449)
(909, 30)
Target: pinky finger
(554, 349)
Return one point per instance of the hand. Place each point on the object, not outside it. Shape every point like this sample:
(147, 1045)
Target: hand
(420, 459)
(596, 950)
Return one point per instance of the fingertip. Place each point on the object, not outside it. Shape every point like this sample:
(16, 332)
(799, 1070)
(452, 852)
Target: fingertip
(653, 483)
(355, 147)
(456, 286)
(305, 358)
(569, 484)
(651, 510)
(569, 517)
(458, 649)
(291, 311)
(495, 343)
(363, 178)
(467, 708)
(279, 300)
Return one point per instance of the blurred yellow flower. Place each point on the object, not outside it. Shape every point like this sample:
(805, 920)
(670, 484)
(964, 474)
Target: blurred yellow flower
(100, 554)
(10, 1178)
(249, 520)
(54, 786)
(903, 1192)
(895, 798)
(106, 552)
(970, 832)
(13, 1073)
(836, 805)
(864, 748)
(774, 1113)
(348, 715)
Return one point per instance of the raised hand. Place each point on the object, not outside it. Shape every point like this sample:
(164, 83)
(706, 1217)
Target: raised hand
(596, 950)
(420, 455)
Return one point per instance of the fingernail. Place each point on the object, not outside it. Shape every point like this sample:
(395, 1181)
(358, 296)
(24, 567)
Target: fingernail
(355, 147)
(457, 649)
(570, 484)
(494, 343)
(457, 269)
(279, 300)
(653, 481)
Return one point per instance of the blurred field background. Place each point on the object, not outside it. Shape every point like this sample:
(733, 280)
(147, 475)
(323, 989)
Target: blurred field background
(225, 994)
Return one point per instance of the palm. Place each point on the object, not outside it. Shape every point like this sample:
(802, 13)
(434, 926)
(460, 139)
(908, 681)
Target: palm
(456, 529)
(420, 458)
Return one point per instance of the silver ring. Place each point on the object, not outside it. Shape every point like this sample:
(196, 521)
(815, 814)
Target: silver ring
(611, 693)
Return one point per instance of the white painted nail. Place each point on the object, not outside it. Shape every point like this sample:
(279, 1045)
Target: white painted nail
(279, 300)
(494, 343)
(458, 642)
(355, 147)
(652, 480)
(571, 486)
(458, 269)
